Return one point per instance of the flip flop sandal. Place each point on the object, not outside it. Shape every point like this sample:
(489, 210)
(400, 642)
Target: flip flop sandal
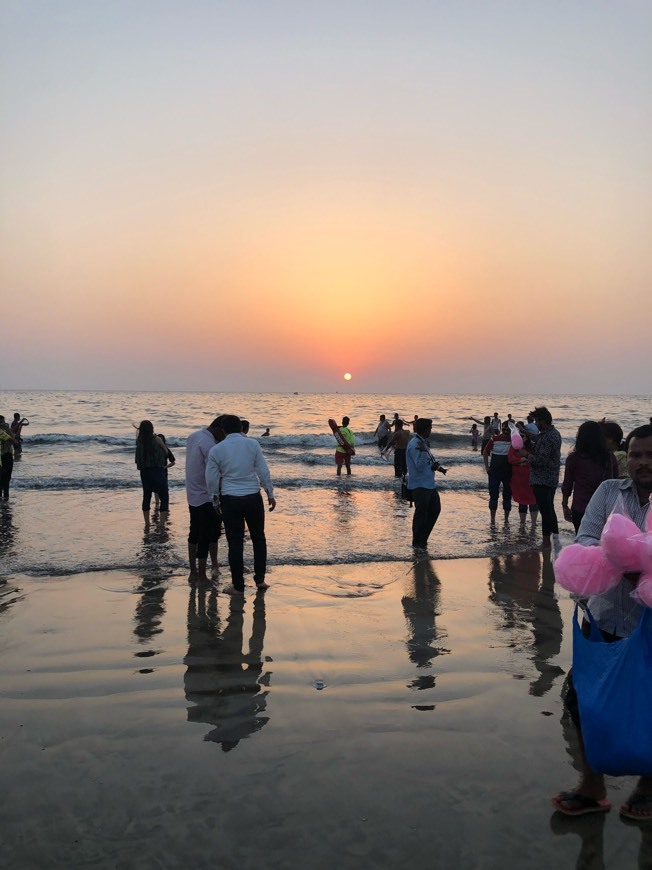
(644, 801)
(583, 804)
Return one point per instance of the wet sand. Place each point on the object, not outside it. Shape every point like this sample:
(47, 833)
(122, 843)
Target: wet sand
(378, 715)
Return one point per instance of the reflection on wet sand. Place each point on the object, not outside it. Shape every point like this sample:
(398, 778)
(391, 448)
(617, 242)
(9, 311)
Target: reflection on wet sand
(345, 508)
(7, 531)
(150, 607)
(223, 683)
(590, 830)
(8, 593)
(421, 606)
(522, 587)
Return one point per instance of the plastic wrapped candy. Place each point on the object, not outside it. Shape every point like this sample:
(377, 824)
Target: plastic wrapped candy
(618, 544)
(585, 570)
(643, 545)
(643, 591)
(517, 441)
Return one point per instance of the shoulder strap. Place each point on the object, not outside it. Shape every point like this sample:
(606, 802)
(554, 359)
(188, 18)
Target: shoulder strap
(596, 634)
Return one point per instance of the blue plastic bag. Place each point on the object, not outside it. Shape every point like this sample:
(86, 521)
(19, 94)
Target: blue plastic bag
(613, 682)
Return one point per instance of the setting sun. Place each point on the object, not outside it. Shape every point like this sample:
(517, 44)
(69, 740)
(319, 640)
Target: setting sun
(347, 377)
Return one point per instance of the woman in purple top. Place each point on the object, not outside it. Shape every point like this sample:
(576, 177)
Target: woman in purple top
(587, 465)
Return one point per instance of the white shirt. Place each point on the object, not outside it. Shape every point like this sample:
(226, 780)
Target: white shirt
(198, 446)
(236, 466)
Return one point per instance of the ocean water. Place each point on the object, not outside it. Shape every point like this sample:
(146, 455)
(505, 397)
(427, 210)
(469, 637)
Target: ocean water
(75, 498)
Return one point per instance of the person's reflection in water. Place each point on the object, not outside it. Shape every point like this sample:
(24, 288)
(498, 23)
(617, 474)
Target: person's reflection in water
(421, 606)
(9, 594)
(223, 683)
(150, 607)
(590, 830)
(7, 533)
(345, 507)
(530, 611)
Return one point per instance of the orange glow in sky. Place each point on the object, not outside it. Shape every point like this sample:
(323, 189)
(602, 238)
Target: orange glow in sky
(213, 203)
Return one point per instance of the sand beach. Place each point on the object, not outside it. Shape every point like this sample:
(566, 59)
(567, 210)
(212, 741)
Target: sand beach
(369, 711)
(412, 717)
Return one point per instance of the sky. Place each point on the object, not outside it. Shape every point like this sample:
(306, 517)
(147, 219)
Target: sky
(265, 194)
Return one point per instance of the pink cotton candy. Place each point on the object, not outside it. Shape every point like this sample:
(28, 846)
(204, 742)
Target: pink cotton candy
(643, 591)
(643, 544)
(617, 543)
(585, 570)
(517, 441)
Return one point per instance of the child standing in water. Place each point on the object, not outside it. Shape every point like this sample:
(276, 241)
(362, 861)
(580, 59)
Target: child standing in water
(475, 435)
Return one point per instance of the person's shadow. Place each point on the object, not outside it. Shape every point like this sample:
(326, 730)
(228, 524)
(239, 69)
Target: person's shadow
(522, 588)
(224, 684)
(420, 607)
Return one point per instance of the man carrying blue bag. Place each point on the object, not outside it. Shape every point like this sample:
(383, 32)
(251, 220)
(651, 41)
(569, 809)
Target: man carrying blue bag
(610, 686)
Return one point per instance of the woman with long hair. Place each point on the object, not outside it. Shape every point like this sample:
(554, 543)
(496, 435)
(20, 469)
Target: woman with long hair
(587, 465)
(151, 459)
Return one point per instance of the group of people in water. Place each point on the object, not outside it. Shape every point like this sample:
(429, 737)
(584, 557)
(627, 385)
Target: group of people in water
(523, 459)
(224, 473)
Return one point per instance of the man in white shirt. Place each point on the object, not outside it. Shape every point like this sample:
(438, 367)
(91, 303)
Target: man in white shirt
(235, 471)
(205, 521)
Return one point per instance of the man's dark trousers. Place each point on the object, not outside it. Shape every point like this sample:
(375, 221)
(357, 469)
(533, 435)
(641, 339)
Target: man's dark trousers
(236, 511)
(427, 507)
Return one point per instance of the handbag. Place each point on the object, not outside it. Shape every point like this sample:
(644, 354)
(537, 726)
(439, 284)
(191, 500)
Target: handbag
(613, 682)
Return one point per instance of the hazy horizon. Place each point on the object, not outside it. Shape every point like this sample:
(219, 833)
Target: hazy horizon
(494, 394)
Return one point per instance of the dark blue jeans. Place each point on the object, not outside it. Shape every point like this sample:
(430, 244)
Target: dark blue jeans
(427, 507)
(236, 511)
(500, 474)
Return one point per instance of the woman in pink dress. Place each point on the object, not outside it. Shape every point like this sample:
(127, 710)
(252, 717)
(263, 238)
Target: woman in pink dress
(522, 492)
